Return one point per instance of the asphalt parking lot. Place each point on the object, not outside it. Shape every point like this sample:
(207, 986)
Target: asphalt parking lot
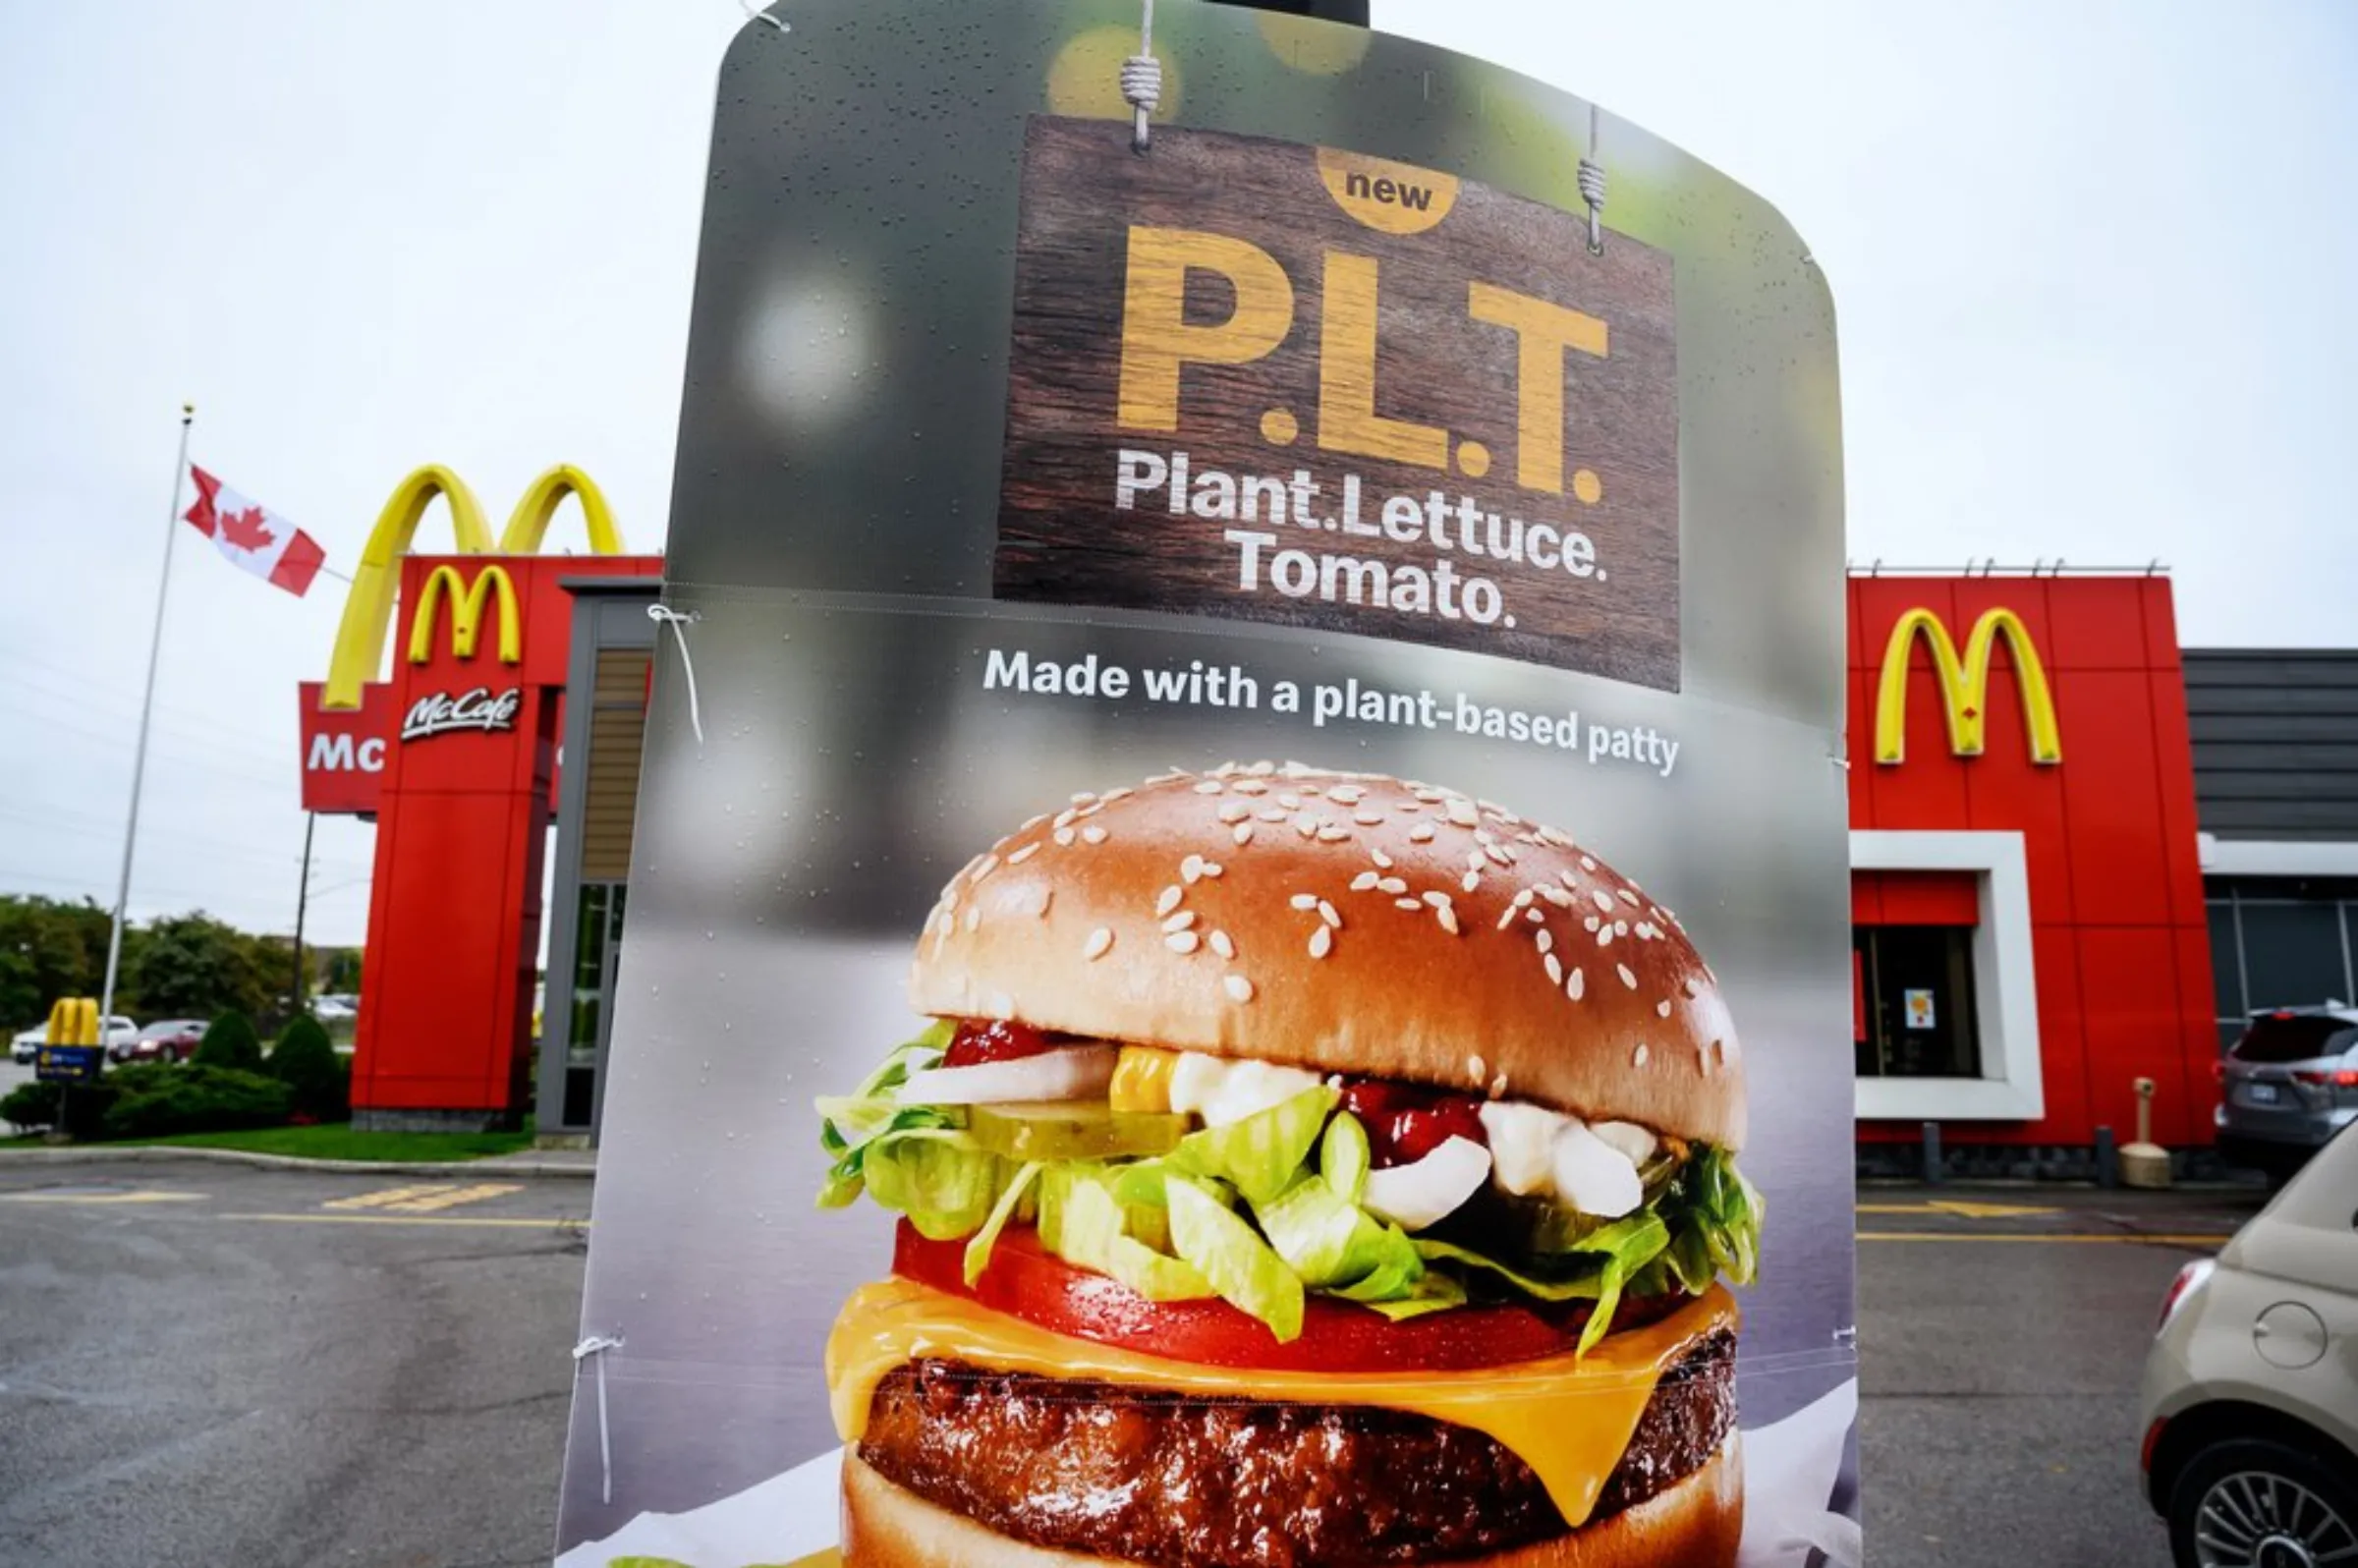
(214, 1365)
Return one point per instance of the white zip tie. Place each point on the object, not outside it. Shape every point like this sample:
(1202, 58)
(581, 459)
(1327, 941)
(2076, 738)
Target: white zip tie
(1142, 80)
(665, 613)
(1592, 188)
(597, 1345)
(763, 17)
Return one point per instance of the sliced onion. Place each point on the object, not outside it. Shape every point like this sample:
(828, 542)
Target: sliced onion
(1592, 1176)
(1424, 1191)
(1522, 1145)
(1075, 1072)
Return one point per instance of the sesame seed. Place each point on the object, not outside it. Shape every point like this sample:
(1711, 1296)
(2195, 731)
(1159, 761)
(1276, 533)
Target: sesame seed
(1470, 883)
(1234, 811)
(1367, 819)
(1507, 918)
(1587, 864)
(1591, 924)
(1426, 793)
(1462, 813)
(1408, 904)
(1703, 1059)
(1729, 1050)
(1560, 898)
(1191, 869)
(1568, 880)
(1637, 1058)
(1536, 916)
(1331, 834)
(950, 896)
(1173, 778)
(1422, 833)
(1210, 786)
(1212, 869)
(1180, 922)
(1523, 899)
(1308, 788)
(1032, 822)
(1023, 854)
(1381, 859)
(1249, 786)
(1396, 885)
(1620, 927)
(1100, 941)
(1183, 941)
(974, 916)
(1064, 837)
(1629, 897)
(1689, 987)
(1290, 800)
(1085, 796)
(1484, 837)
(1305, 825)
(1067, 818)
(1474, 860)
(1045, 894)
(1322, 941)
(1499, 856)
(1170, 900)
(1346, 794)
(1575, 983)
(1627, 979)
(1475, 1068)
(1304, 901)
(1605, 902)
(1326, 913)
(1604, 936)
(1365, 882)
(1110, 796)
(1447, 917)
(1239, 988)
(1270, 813)
(1555, 967)
(1498, 1086)
(1545, 938)
(1243, 833)
(1221, 945)
(1662, 1009)
(984, 868)
(1092, 835)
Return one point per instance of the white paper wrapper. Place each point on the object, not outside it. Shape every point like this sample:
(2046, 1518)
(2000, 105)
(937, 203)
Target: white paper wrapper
(1789, 1475)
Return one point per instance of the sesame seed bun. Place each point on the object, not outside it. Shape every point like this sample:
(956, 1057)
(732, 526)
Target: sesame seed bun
(1695, 1522)
(1343, 922)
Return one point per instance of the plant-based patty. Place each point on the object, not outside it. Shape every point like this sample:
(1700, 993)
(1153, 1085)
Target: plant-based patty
(1193, 1483)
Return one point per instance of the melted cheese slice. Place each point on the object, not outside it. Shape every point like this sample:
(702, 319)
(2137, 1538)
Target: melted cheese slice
(1570, 1420)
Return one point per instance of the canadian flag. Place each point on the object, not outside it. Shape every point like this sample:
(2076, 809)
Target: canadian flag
(255, 536)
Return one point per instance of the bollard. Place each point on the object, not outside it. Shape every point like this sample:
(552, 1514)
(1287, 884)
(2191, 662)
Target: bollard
(1932, 1153)
(2107, 1159)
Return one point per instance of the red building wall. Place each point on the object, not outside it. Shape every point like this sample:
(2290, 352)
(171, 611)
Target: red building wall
(2120, 943)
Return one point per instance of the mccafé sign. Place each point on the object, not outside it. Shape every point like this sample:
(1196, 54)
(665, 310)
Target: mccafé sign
(1964, 685)
(348, 720)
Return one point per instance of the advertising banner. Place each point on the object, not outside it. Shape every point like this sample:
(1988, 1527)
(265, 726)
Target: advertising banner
(1239, 909)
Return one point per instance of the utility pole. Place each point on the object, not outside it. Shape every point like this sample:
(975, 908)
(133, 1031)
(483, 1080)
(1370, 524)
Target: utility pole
(303, 899)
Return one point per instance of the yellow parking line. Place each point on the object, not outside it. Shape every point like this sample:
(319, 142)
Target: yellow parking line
(387, 1197)
(2047, 1235)
(101, 1198)
(482, 1222)
(452, 1197)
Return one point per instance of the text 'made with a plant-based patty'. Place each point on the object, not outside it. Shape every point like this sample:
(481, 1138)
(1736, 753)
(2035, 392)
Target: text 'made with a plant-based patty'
(1236, 927)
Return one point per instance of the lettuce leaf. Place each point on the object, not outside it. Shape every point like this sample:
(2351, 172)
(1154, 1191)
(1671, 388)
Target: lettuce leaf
(1088, 1228)
(851, 1124)
(1344, 1157)
(1331, 1243)
(1262, 1155)
(1240, 1266)
(940, 1179)
(978, 1251)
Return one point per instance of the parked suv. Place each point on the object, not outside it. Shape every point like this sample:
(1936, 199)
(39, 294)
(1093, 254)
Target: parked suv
(2287, 1086)
(2251, 1388)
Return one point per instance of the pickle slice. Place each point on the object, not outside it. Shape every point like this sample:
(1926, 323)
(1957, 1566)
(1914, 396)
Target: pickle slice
(1073, 1130)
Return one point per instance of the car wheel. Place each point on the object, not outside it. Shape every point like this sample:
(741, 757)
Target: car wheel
(2252, 1503)
(169, 1055)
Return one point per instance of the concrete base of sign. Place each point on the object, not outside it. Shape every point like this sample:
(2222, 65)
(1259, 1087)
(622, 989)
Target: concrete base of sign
(430, 1121)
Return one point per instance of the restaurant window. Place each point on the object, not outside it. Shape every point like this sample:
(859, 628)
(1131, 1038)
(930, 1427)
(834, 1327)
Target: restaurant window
(1914, 1003)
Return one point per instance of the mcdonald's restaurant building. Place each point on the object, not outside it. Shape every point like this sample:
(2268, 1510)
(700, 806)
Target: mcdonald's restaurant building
(2081, 854)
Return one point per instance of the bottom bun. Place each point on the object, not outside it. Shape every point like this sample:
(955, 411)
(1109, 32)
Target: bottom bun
(1694, 1524)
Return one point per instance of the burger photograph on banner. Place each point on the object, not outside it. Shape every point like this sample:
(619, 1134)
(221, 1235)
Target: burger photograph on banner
(1239, 912)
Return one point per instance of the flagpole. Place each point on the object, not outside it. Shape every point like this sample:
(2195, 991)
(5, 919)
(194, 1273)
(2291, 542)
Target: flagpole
(139, 755)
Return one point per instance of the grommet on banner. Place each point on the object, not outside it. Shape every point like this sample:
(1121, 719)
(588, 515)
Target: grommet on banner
(1592, 188)
(1141, 79)
(666, 614)
(596, 1345)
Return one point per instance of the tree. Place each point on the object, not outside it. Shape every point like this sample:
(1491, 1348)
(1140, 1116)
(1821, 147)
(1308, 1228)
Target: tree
(306, 1062)
(192, 966)
(49, 949)
(229, 1041)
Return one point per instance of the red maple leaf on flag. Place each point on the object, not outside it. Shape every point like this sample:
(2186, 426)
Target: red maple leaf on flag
(245, 529)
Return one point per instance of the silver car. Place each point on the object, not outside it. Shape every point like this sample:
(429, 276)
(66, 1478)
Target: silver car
(2251, 1388)
(2287, 1086)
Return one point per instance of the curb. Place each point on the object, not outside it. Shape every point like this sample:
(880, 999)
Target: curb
(505, 1165)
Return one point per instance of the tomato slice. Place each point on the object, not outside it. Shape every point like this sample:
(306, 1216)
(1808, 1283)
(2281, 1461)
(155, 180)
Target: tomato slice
(1025, 1280)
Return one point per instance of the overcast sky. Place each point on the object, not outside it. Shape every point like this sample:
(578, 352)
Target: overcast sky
(2091, 263)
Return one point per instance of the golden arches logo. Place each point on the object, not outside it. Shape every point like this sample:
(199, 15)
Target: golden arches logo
(359, 650)
(466, 605)
(1964, 686)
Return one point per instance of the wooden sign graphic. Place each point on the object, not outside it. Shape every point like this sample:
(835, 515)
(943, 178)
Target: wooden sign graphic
(1282, 383)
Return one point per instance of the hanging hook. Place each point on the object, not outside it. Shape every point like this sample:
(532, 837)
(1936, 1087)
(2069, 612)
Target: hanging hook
(596, 1346)
(1592, 188)
(1141, 79)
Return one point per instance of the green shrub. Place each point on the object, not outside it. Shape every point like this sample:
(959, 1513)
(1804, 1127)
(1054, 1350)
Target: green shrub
(306, 1061)
(229, 1041)
(34, 1105)
(198, 1098)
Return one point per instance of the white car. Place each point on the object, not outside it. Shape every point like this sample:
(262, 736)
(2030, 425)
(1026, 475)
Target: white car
(333, 1009)
(120, 1031)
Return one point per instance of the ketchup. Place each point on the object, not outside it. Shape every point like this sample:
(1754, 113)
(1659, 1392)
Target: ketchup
(1405, 1123)
(993, 1040)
